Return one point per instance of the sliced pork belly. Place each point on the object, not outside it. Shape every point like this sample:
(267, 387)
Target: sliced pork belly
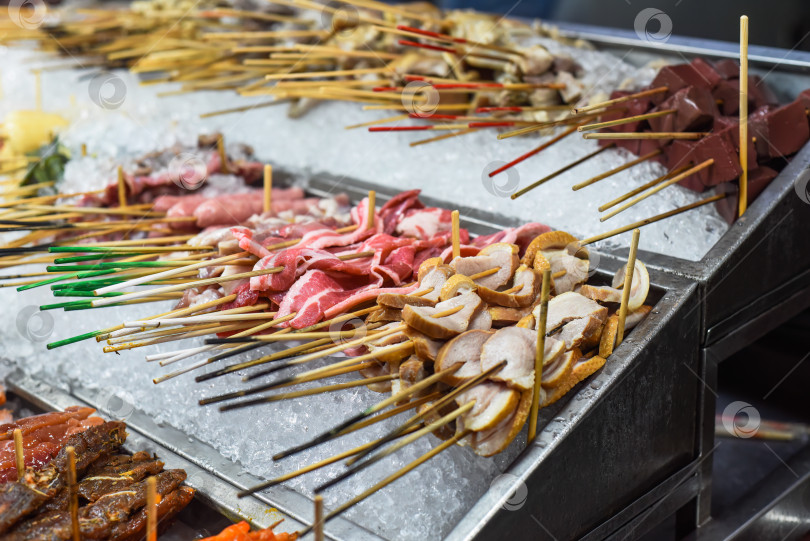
(560, 367)
(494, 402)
(501, 256)
(464, 349)
(640, 287)
(601, 293)
(421, 317)
(529, 281)
(516, 346)
(576, 270)
(568, 307)
(494, 440)
(481, 321)
(574, 333)
(424, 347)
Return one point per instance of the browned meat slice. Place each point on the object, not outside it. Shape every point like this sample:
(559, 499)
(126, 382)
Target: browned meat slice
(639, 288)
(574, 333)
(92, 487)
(397, 301)
(501, 256)
(551, 240)
(18, 500)
(95, 442)
(421, 318)
(411, 372)
(568, 307)
(493, 403)
(503, 316)
(424, 347)
(481, 321)
(493, 441)
(576, 270)
(601, 293)
(582, 369)
(167, 509)
(432, 278)
(464, 349)
(384, 315)
(432, 414)
(634, 318)
(376, 370)
(529, 282)
(516, 346)
(559, 368)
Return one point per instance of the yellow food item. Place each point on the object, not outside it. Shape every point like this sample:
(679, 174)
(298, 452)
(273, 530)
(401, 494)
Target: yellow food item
(26, 131)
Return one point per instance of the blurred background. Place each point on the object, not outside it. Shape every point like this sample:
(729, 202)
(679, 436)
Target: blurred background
(775, 23)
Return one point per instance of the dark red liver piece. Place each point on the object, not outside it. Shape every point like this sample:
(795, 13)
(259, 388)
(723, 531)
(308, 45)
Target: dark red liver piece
(726, 164)
(728, 92)
(728, 69)
(631, 108)
(804, 98)
(646, 146)
(675, 78)
(707, 72)
(779, 132)
(695, 109)
(759, 93)
(732, 133)
(758, 180)
(679, 154)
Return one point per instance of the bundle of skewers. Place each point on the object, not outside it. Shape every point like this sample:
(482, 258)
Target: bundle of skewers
(305, 52)
(65, 477)
(441, 321)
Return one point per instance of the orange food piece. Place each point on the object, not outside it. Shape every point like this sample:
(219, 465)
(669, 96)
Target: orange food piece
(231, 533)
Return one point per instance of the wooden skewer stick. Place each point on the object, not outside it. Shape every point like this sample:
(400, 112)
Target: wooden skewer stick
(643, 187)
(151, 508)
(223, 156)
(169, 273)
(372, 208)
(690, 136)
(653, 219)
(318, 522)
(659, 187)
(535, 150)
(623, 99)
(393, 477)
(417, 419)
(268, 187)
(626, 120)
(442, 137)
(19, 454)
(619, 169)
(454, 216)
(341, 428)
(181, 287)
(395, 118)
(73, 496)
(560, 171)
(122, 188)
(628, 285)
(539, 355)
(743, 113)
(335, 73)
(373, 459)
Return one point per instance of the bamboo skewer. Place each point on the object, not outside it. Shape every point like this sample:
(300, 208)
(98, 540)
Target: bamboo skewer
(626, 120)
(659, 187)
(643, 187)
(623, 99)
(456, 234)
(560, 171)
(318, 522)
(122, 188)
(151, 508)
(653, 219)
(407, 440)
(539, 355)
(690, 136)
(562, 135)
(342, 427)
(393, 477)
(19, 454)
(268, 188)
(628, 285)
(743, 205)
(73, 497)
(619, 169)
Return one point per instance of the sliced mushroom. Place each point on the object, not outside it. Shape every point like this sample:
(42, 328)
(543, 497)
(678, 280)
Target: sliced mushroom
(494, 402)
(493, 441)
(601, 293)
(640, 287)
(464, 349)
(421, 317)
(560, 368)
(517, 347)
(529, 282)
(424, 347)
(501, 256)
(568, 307)
(582, 369)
